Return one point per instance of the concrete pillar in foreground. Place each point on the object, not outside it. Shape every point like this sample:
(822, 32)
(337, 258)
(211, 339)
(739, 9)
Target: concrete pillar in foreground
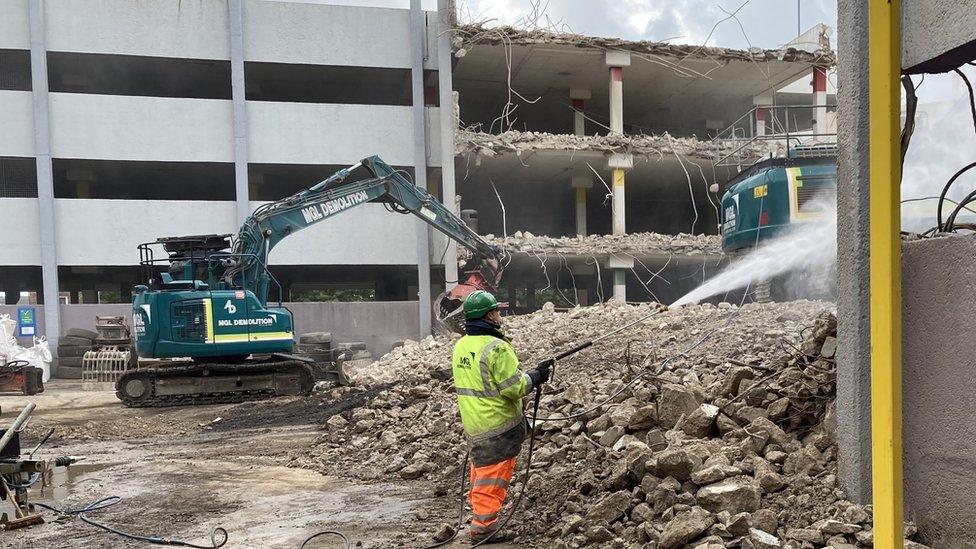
(418, 35)
(581, 183)
(235, 12)
(579, 97)
(820, 101)
(853, 293)
(45, 176)
(447, 128)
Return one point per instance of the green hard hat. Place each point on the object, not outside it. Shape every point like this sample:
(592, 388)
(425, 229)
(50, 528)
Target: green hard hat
(478, 304)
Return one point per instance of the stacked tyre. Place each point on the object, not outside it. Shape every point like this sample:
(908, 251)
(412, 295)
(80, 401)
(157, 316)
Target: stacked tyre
(71, 351)
(318, 347)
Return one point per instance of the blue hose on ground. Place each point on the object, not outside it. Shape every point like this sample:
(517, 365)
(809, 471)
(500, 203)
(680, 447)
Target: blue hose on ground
(103, 503)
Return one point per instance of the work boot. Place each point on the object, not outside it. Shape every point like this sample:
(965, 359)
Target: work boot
(495, 535)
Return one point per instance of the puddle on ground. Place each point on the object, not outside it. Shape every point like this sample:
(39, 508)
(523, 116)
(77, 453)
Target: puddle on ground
(62, 479)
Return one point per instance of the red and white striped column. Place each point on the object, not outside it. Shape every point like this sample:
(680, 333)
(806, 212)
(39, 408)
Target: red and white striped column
(820, 100)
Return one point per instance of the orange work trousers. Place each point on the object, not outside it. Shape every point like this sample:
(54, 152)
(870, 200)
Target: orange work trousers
(489, 484)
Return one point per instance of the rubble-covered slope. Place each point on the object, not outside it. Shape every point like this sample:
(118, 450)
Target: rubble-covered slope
(726, 441)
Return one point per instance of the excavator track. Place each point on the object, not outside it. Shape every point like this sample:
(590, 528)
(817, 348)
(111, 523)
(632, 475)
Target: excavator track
(213, 383)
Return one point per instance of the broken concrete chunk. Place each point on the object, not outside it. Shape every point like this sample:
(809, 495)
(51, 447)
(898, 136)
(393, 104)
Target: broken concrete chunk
(678, 463)
(759, 539)
(735, 495)
(831, 527)
(714, 473)
(766, 520)
(599, 534)
(739, 525)
(735, 377)
(642, 418)
(611, 507)
(612, 435)
(675, 401)
(699, 423)
(685, 527)
(805, 534)
(414, 470)
(829, 348)
(767, 477)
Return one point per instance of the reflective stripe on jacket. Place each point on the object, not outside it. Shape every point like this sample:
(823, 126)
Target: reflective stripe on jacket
(489, 385)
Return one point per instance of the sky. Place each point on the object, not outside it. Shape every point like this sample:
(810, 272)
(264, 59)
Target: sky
(765, 23)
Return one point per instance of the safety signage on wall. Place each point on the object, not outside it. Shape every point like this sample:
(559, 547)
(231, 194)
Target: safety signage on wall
(26, 322)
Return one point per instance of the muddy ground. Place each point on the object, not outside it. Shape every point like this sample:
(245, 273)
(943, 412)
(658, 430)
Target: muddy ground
(183, 471)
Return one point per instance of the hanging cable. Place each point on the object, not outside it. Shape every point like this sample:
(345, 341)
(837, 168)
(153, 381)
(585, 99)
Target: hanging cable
(945, 190)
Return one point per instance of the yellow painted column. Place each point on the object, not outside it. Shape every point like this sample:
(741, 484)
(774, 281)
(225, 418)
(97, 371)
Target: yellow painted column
(619, 203)
(884, 68)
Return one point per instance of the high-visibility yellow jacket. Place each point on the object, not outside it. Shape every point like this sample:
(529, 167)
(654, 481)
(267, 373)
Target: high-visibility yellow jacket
(489, 385)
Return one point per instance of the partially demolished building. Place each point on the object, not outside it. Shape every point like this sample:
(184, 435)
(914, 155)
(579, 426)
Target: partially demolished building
(125, 122)
(570, 136)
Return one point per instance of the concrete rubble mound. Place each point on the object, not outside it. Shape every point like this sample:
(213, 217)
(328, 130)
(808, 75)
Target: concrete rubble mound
(727, 441)
(648, 146)
(467, 35)
(635, 244)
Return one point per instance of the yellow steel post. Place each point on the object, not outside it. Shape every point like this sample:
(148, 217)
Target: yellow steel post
(884, 68)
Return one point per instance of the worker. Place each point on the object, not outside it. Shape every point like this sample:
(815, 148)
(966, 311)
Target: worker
(490, 388)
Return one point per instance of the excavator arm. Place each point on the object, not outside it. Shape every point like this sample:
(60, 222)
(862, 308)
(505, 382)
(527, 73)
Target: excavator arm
(275, 221)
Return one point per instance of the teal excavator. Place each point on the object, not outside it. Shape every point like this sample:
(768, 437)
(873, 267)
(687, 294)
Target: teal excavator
(207, 299)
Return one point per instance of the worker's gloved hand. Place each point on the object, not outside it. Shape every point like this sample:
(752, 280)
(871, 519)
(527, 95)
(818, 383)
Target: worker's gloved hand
(541, 374)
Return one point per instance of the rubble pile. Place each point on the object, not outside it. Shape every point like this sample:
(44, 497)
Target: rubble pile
(726, 441)
(637, 244)
(467, 35)
(650, 147)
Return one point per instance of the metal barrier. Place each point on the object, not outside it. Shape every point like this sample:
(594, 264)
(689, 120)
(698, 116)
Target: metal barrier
(784, 129)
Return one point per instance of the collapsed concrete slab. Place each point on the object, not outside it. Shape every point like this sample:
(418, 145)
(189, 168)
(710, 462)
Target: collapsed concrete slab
(467, 35)
(653, 146)
(637, 244)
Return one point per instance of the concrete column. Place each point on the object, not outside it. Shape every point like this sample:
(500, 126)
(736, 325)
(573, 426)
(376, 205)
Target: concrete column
(820, 100)
(45, 176)
(445, 59)
(235, 12)
(760, 121)
(418, 38)
(581, 183)
(617, 61)
(579, 97)
(853, 275)
(620, 265)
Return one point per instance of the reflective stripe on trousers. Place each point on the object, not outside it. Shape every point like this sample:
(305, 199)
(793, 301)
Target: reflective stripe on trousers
(489, 485)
